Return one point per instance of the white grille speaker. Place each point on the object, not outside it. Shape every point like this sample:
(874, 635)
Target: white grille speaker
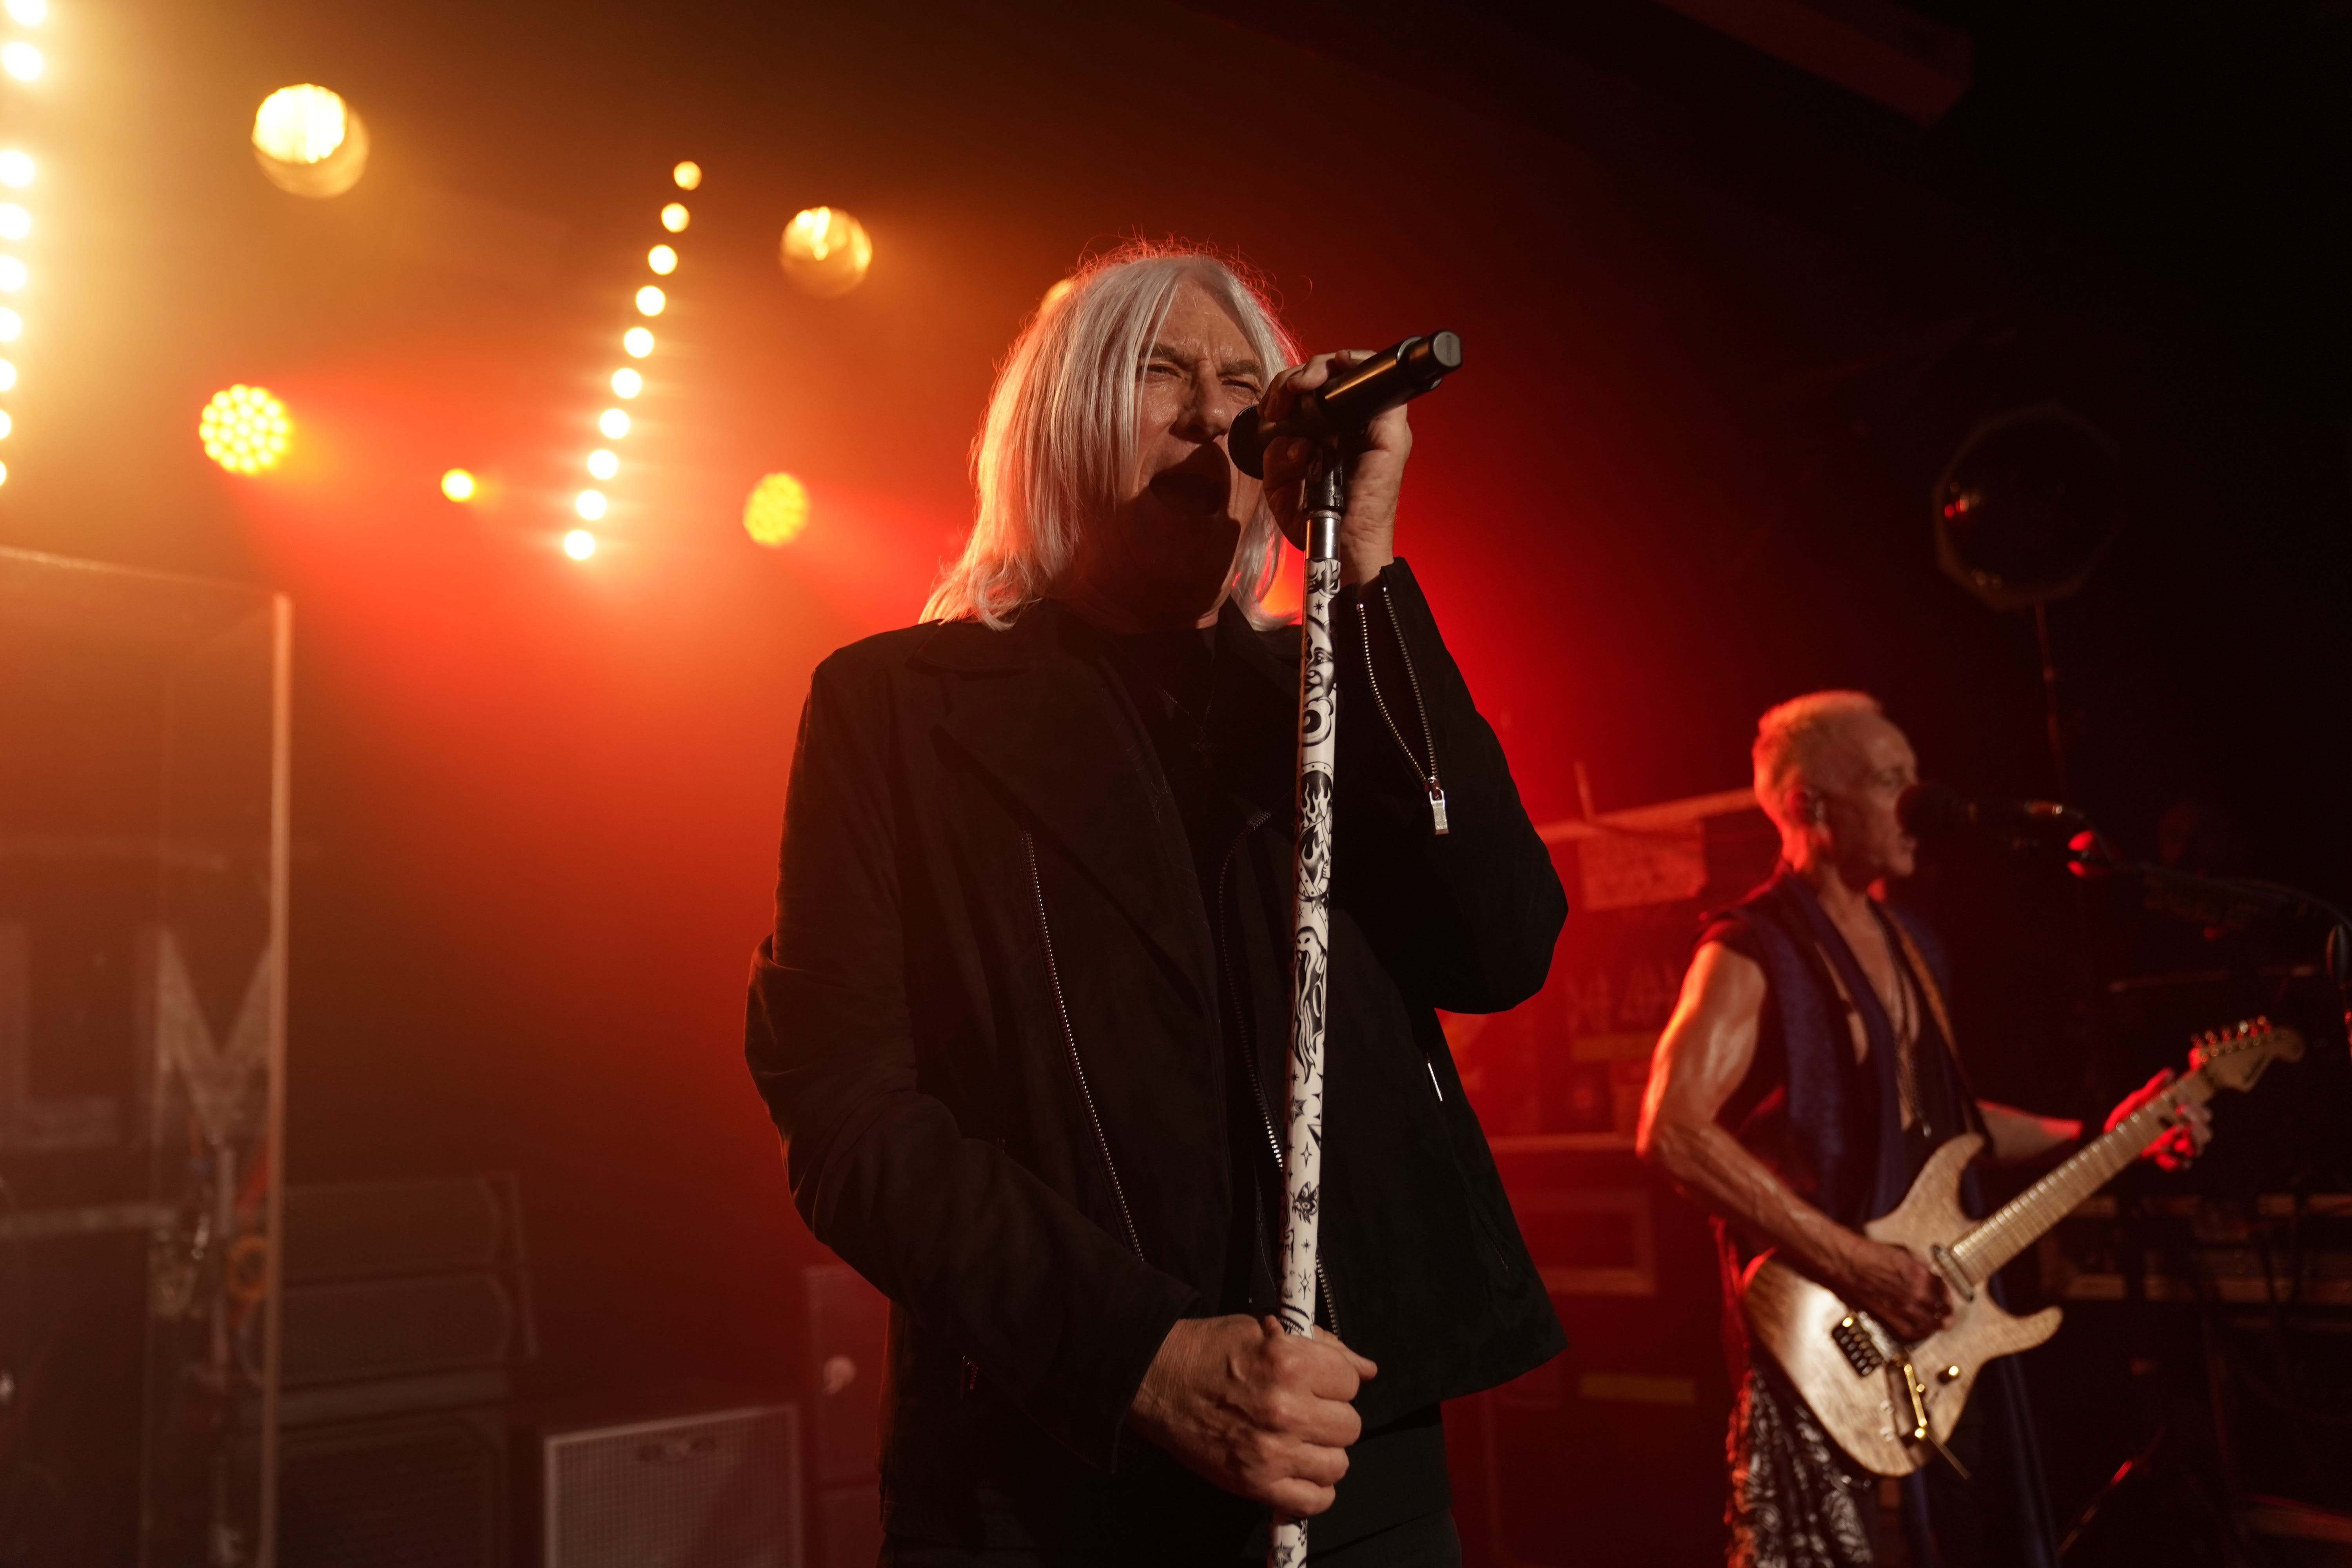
(721, 1490)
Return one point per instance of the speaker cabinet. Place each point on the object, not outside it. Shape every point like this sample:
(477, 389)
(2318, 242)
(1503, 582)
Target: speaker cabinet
(425, 1491)
(720, 1489)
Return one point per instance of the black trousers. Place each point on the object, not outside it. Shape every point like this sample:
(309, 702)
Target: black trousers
(1427, 1542)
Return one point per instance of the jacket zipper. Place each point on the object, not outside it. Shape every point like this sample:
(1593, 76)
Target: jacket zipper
(1428, 776)
(1249, 1059)
(1070, 1040)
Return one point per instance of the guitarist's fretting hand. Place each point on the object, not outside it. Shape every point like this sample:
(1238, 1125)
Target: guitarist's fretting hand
(2191, 1129)
(1895, 1288)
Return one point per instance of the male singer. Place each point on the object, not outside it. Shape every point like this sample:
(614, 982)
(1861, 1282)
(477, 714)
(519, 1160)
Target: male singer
(1811, 993)
(1023, 1019)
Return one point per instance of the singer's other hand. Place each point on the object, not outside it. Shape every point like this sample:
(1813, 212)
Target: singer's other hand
(1256, 1411)
(2191, 1124)
(1368, 532)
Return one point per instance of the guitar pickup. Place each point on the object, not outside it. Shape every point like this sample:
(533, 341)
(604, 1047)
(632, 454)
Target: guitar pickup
(1860, 1349)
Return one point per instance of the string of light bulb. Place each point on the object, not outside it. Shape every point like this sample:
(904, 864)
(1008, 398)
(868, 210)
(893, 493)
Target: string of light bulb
(21, 58)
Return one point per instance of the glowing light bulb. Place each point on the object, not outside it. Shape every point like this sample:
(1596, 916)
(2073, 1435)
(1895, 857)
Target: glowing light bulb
(16, 223)
(825, 251)
(627, 383)
(776, 511)
(589, 504)
(7, 426)
(7, 376)
(3, 473)
(673, 217)
(613, 422)
(12, 325)
(580, 544)
(12, 274)
(602, 464)
(28, 12)
(638, 341)
(459, 485)
(310, 141)
(687, 175)
(650, 300)
(662, 259)
(16, 168)
(244, 429)
(21, 60)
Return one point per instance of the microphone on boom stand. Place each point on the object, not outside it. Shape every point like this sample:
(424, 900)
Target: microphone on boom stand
(1350, 400)
(1936, 810)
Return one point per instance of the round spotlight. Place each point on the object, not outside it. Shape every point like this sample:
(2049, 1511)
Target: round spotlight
(662, 259)
(7, 376)
(7, 426)
(459, 485)
(16, 168)
(580, 544)
(310, 141)
(673, 217)
(16, 223)
(589, 504)
(12, 274)
(776, 511)
(28, 12)
(244, 429)
(21, 60)
(602, 464)
(3, 473)
(638, 341)
(687, 175)
(650, 300)
(613, 422)
(825, 251)
(627, 383)
(12, 325)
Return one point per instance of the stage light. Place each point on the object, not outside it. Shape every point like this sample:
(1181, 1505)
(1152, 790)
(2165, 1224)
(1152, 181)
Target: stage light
(12, 274)
(579, 544)
(12, 326)
(613, 422)
(687, 175)
(825, 251)
(28, 12)
(3, 473)
(16, 168)
(650, 300)
(7, 376)
(244, 429)
(627, 383)
(589, 504)
(673, 217)
(6, 425)
(662, 259)
(310, 141)
(457, 485)
(602, 464)
(21, 60)
(776, 511)
(16, 223)
(638, 341)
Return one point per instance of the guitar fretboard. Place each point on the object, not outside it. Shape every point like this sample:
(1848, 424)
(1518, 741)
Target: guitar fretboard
(2020, 1222)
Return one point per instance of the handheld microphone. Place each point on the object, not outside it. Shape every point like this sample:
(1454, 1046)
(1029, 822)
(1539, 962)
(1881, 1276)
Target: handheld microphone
(1934, 810)
(1350, 400)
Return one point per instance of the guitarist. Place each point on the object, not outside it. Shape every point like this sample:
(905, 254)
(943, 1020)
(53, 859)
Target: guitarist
(1805, 1077)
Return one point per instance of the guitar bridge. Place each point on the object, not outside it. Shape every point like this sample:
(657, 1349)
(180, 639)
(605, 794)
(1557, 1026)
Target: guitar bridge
(1860, 1349)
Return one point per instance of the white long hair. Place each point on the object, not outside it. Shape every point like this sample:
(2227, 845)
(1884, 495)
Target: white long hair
(1057, 448)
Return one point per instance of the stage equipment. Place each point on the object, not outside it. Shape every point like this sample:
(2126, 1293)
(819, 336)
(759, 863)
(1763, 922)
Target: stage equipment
(28, 12)
(589, 504)
(848, 1332)
(579, 544)
(1351, 399)
(675, 217)
(2022, 513)
(637, 341)
(1891, 1404)
(650, 300)
(1931, 810)
(16, 223)
(602, 464)
(711, 1488)
(145, 736)
(417, 1491)
(21, 60)
(1341, 410)
(457, 485)
(825, 252)
(686, 175)
(663, 259)
(309, 141)
(244, 429)
(776, 511)
(627, 383)
(614, 422)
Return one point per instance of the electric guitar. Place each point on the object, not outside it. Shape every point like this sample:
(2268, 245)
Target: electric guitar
(1890, 1404)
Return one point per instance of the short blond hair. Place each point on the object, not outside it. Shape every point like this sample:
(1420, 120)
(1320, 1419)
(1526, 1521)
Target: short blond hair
(1790, 738)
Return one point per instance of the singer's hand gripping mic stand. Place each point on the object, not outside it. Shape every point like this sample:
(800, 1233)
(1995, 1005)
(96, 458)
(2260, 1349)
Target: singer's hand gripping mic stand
(1332, 416)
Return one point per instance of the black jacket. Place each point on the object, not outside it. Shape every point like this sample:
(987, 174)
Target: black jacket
(987, 1026)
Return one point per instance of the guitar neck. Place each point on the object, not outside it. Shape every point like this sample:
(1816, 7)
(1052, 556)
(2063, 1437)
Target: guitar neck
(2020, 1223)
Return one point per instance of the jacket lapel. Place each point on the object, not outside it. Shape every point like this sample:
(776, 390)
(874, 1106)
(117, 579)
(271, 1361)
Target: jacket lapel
(1038, 712)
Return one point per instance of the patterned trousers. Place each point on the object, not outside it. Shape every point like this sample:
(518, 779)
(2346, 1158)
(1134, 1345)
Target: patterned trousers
(1796, 1501)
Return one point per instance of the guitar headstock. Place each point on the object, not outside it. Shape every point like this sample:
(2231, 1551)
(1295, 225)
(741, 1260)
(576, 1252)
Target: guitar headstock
(2234, 1057)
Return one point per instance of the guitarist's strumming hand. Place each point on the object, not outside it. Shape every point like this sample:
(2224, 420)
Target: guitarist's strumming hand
(2191, 1129)
(1894, 1286)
